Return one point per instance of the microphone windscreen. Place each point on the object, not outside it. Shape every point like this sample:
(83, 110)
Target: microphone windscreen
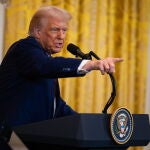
(72, 48)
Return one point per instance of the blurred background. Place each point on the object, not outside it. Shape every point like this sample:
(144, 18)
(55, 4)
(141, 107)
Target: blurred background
(115, 28)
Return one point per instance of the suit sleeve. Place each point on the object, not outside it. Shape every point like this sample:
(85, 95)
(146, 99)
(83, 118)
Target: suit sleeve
(32, 61)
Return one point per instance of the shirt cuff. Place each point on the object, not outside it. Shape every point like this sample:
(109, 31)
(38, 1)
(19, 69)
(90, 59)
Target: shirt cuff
(80, 70)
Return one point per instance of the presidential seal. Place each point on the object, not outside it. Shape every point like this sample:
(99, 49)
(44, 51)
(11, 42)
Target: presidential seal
(121, 125)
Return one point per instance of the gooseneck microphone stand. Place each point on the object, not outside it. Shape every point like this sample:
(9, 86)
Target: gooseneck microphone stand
(113, 93)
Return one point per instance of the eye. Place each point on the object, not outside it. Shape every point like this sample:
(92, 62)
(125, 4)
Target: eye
(64, 29)
(54, 29)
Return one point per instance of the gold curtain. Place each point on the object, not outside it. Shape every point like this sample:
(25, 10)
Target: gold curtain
(116, 28)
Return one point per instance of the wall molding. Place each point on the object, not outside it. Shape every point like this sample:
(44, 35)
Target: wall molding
(2, 19)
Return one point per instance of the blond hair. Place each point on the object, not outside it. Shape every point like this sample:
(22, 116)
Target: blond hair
(47, 12)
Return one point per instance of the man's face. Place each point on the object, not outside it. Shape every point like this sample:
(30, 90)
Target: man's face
(52, 34)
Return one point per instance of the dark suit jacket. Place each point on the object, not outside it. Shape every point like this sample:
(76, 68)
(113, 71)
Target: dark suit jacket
(28, 83)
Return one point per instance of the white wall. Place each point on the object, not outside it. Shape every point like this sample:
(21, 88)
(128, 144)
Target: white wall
(148, 82)
(147, 106)
(2, 14)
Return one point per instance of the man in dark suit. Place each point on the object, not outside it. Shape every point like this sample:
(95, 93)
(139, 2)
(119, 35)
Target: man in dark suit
(29, 90)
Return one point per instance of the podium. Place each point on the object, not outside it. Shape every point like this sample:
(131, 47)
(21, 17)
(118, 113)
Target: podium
(81, 131)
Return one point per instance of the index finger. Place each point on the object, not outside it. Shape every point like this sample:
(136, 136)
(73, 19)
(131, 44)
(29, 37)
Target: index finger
(118, 60)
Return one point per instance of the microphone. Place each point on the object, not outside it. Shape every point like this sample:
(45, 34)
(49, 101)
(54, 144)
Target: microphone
(75, 50)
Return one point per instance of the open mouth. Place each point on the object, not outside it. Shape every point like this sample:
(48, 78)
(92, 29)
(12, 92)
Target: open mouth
(59, 45)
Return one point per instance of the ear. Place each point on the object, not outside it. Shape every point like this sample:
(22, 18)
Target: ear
(37, 32)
